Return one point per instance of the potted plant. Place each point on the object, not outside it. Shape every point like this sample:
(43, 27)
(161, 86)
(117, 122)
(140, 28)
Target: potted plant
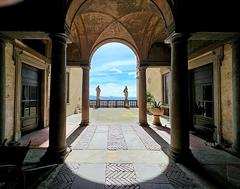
(149, 98)
(157, 110)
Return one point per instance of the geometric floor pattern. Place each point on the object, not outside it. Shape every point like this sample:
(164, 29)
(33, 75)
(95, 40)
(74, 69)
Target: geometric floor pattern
(85, 138)
(116, 139)
(179, 179)
(147, 140)
(121, 175)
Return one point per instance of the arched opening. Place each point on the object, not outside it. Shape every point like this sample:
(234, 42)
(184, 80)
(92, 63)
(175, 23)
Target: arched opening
(113, 71)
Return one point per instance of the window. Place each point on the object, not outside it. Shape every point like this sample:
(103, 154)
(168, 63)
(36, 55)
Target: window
(166, 87)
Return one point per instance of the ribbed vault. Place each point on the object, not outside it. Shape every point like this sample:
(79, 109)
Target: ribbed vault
(138, 23)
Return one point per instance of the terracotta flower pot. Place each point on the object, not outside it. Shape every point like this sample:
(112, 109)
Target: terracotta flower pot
(156, 113)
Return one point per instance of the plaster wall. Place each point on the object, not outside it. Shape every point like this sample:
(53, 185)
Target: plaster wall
(10, 91)
(75, 90)
(154, 82)
(226, 95)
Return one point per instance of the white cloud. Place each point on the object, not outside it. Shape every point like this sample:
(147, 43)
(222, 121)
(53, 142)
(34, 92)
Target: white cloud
(132, 73)
(125, 64)
(116, 70)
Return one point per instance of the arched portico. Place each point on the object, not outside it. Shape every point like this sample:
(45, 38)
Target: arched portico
(146, 23)
(141, 84)
(141, 23)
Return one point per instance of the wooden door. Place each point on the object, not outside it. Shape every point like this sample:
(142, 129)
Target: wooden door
(202, 100)
(30, 107)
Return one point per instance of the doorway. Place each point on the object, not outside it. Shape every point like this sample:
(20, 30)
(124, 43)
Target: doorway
(30, 100)
(203, 101)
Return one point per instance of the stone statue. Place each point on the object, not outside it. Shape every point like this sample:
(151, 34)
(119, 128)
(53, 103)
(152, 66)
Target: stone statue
(125, 91)
(98, 91)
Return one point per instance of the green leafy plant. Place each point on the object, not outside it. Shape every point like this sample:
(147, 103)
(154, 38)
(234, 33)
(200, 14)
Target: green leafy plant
(149, 97)
(156, 104)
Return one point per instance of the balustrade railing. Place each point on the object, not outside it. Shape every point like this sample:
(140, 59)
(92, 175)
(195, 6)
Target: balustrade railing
(112, 104)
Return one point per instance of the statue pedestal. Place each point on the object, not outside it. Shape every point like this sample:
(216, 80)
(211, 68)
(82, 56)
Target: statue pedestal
(97, 103)
(126, 104)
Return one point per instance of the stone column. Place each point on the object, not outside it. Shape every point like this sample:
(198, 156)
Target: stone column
(85, 96)
(142, 101)
(57, 120)
(236, 95)
(179, 111)
(2, 89)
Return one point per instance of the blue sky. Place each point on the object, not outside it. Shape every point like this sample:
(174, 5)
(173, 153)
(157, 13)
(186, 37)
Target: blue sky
(113, 66)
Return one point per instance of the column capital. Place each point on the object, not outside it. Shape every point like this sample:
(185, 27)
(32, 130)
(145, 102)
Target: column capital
(142, 67)
(175, 37)
(60, 37)
(85, 67)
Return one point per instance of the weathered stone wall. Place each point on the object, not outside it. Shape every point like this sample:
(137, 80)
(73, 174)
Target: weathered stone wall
(75, 90)
(226, 95)
(10, 91)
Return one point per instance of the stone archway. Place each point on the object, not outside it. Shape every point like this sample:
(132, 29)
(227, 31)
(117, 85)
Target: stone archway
(142, 23)
(138, 24)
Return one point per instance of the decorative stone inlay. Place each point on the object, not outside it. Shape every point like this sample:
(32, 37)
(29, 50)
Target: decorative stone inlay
(85, 138)
(62, 177)
(121, 175)
(116, 139)
(147, 140)
(178, 178)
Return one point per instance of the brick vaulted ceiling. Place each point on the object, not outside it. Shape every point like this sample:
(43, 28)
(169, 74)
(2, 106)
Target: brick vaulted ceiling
(137, 23)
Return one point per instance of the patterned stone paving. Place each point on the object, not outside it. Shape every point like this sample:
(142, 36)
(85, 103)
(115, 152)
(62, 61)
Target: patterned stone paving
(62, 178)
(121, 176)
(116, 139)
(146, 139)
(178, 178)
(85, 138)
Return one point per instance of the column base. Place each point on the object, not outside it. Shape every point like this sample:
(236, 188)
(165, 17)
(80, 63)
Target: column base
(54, 156)
(156, 120)
(234, 151)
(180, 156)
(143, 124)
(84, 124)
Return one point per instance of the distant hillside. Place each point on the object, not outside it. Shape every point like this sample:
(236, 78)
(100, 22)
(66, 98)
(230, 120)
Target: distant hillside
(111, 98)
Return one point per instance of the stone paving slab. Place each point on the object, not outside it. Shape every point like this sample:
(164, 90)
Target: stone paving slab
(120, 156)
(116, 139)
(92, 172)
(151, 173)
(118, 176)
(151, 166)
(211, 156)
(85, 138)
(62, 177)
(178, 178)
(155, 186)
(146, 139)
(133, 141)
(101, 129)
(34, 155)
(99, 141)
